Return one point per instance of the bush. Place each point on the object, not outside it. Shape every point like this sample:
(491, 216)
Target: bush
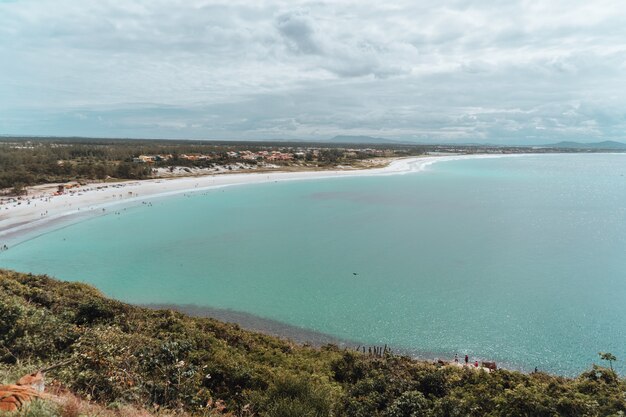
(94, 311)
(409, 404)
(293, 396)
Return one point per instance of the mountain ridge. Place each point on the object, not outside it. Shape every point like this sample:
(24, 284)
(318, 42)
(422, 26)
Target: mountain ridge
(607, 144)
(364, 140)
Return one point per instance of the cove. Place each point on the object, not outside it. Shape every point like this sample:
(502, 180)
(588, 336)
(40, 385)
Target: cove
(519, 260)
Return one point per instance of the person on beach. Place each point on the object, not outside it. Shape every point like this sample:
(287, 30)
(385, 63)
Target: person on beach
(466, 360)
(456, 358)
(476, 364)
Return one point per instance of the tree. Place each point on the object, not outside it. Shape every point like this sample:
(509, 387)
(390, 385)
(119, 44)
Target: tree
(607, 356)
(18, 189)
(409, 404)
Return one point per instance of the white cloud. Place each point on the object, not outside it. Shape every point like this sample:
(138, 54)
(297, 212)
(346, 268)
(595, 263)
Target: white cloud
(501, 71)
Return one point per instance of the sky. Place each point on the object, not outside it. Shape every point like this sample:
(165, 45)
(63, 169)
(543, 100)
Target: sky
(452, 71)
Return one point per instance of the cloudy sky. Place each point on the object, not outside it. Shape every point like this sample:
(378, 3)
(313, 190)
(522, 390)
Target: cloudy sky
(500, 71)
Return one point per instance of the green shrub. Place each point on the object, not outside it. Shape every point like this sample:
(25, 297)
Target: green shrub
(295, 396)
(409, 404)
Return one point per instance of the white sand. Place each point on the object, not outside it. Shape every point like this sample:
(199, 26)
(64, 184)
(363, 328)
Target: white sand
(41, 207)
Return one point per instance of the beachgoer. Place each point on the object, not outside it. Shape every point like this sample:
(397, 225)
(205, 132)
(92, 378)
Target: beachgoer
(456, 358)
(476, 364)
(466, 359)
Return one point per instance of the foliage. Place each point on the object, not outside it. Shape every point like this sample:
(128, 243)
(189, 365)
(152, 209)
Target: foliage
(607, 356)
(30, 161)
(409, 404)
(164, 360)
(36, 409)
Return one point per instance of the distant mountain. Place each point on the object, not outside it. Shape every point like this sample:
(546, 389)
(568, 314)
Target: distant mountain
(363, 140)
(608, 144)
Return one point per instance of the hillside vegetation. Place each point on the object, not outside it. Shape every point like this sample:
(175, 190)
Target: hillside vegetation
(169, 363)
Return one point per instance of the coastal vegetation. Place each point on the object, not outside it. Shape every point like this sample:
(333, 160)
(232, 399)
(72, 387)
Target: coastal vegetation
(132, 358)
(31, 161)
(27, 161)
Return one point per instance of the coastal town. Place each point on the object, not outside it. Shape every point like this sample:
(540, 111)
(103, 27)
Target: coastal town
(28, 162)
(285, 154)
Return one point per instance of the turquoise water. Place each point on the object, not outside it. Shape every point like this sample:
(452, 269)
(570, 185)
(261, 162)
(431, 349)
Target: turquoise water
(521, 260)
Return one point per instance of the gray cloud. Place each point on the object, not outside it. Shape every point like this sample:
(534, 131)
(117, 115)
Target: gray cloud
(457, 70)
(298, 32)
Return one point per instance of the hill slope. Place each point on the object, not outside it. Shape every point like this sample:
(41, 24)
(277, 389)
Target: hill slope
(127, 354)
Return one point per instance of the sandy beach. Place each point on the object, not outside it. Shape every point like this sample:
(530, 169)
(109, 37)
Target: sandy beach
(41, 208)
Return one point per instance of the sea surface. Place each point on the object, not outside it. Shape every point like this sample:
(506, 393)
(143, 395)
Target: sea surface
(521, 260)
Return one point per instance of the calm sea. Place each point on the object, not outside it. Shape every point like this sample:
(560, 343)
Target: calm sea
(521, 260)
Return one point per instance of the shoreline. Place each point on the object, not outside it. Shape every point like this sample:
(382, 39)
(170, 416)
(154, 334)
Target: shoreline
(246, 320)
(36, 213)
(25, 221)
(252, 322)
(315, 338)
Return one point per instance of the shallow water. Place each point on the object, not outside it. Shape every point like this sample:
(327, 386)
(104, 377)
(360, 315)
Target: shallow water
(519, 260)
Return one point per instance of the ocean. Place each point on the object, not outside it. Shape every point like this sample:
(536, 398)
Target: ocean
(521, 260)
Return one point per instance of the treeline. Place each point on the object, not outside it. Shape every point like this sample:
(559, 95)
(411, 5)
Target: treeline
(30, 161)
(39, 161)
(168, 361)
(26, 163)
